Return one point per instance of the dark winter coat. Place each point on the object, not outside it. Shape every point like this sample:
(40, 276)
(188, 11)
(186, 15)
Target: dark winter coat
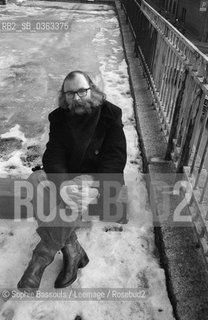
(97, 146)
(93, 144)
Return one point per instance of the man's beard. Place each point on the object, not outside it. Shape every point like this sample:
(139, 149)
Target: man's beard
(81, 108)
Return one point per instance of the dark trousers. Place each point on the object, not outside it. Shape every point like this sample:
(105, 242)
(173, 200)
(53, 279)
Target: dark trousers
(55, 234)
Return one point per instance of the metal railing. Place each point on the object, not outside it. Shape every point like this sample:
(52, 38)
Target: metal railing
(177, 74)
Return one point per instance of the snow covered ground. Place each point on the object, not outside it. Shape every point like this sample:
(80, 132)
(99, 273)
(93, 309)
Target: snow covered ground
(32, 68)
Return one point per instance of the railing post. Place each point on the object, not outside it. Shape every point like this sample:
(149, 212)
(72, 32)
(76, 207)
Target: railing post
(176, 117)
(185, 152)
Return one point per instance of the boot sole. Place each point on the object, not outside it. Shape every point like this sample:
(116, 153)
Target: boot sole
(66, 284)
(83, 262)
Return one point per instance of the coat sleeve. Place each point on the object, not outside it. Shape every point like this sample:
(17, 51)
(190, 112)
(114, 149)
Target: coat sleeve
(112, 158)
(54, 158)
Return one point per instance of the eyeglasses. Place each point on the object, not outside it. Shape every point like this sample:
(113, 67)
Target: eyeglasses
(81, 93)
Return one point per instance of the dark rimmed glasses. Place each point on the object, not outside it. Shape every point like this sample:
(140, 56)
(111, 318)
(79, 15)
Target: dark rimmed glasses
(81, 93)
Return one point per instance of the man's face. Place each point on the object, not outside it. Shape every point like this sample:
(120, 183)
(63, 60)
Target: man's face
(78, 94)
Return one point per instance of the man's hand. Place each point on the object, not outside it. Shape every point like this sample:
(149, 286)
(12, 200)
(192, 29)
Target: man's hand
(79, 193)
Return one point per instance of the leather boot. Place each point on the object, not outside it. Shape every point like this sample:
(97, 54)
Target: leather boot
(74, 257)
(42, 257)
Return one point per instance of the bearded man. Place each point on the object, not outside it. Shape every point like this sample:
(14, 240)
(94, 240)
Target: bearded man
(86, 143)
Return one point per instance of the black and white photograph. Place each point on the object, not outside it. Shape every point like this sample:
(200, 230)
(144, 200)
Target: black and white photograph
(103, 160)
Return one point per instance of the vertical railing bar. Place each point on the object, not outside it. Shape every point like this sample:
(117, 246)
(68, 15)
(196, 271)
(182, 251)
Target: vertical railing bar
(158, 59)
(176, 90)
(185, 151)
(171, 81)
(175, 128)
(183, 103)
(188, 113)
(200, 135)
(163, 57)
(201, 164)
(204, 189)
(175, 80)
(164, 76)
(168, 77)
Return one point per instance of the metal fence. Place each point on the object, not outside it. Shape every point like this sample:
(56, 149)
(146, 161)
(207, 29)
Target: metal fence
(177, 73)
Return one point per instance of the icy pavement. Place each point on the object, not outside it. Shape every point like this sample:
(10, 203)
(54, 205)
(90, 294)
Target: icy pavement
(32, 68)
